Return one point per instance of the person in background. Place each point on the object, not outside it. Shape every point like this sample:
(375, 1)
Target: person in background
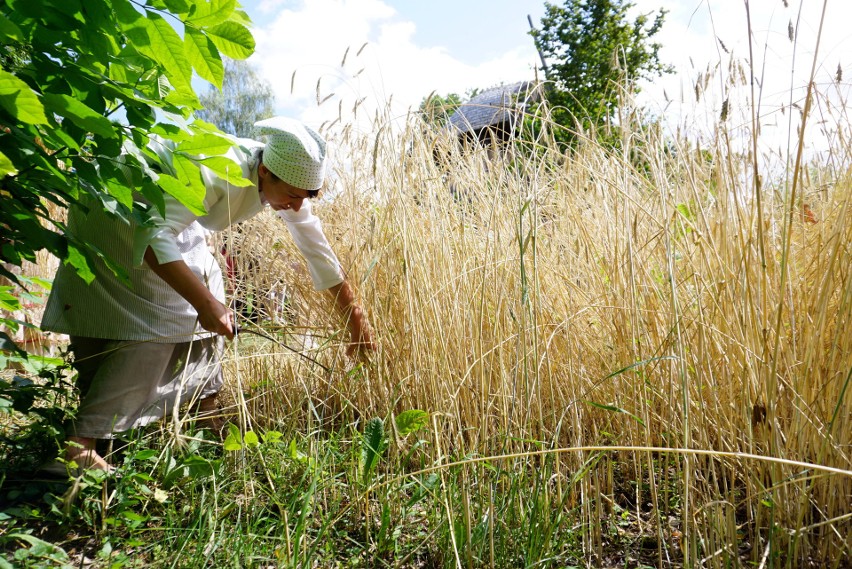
(143, 350)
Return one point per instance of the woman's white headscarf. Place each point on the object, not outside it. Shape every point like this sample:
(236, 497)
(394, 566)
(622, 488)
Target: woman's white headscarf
(294, 152)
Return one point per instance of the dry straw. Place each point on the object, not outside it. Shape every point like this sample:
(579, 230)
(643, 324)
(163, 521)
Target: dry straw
(530, 298)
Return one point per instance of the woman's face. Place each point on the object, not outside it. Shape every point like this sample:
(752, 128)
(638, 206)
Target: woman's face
(278, 193)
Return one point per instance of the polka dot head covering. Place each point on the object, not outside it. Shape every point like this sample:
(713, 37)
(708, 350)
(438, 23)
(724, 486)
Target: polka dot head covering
(294, 152)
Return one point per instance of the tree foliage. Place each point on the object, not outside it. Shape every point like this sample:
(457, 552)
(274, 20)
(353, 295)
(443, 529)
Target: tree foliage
(84, 85)
(437, 110)
(243, 100)
(590, 46)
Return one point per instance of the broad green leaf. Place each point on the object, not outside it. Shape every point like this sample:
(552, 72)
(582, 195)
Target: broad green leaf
(212, 12)
(234, 440)
(117, 178)
(6, 166)
(9, 30)
(80, 114)
(39, 546)
(232, 39)
(99, 16)
(199, 467)
(227, 170)
(181, 99)
(204, 57)
(250, 439)
(372, 446)
(133, 516)
(122, 75)
(21, 102)
(35, 364)
(78, 261)
(159, 41)
(205, 145)
(200, 126)
(40, 282)
(120, 191)
(9, 301)
(146, 454)
(170, 131)
(69, 11)
(141, 116)
(118, 270)
(53, 20)
(241, 17)
(154, 195)
(57, 137)
(272, 436)
(192, 196)
(171, 52)
(134, 157)
(164, 87)
(232, 444)
(412, 420)
(101, 45)
(179, 7)
(186, 170)
(126, 15)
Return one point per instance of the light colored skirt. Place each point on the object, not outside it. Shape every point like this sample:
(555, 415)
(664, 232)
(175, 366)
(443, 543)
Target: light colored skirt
(128, 384)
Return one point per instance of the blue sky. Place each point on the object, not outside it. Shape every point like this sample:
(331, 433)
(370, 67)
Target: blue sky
(401, 50)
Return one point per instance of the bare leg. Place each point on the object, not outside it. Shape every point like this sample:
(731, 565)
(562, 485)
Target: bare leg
(209, 415)
(85, 455)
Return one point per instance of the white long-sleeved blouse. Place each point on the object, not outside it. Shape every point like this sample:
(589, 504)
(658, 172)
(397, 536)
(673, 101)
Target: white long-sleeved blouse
(148, 309)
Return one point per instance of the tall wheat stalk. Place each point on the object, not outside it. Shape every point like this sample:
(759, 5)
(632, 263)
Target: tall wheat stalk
(527, 297)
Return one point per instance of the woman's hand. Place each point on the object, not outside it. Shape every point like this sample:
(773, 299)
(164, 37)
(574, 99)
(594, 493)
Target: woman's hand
(215, 317)
(212, 314)
(360, 334)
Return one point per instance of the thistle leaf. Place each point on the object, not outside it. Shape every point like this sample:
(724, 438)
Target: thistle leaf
(371, 447)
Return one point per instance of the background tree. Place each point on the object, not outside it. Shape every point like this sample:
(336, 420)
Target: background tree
(590, 46)
(243, 100)
(436, 110)
(84, 85)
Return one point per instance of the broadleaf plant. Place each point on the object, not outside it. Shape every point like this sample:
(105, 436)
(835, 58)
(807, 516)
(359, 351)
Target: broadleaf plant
(84, 84)
(372, 447)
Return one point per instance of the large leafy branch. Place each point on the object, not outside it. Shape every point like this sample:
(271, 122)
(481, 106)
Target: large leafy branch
(84, 85)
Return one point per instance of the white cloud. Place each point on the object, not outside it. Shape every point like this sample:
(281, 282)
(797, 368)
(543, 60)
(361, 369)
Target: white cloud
(382, 62)
(301, 43)
(710, 38)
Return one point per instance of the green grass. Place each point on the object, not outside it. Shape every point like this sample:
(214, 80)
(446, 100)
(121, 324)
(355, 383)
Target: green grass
(294, 500)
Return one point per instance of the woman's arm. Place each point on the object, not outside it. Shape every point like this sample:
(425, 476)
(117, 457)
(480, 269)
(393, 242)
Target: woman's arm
(212, 314)
(360, 334)
(326, 274)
